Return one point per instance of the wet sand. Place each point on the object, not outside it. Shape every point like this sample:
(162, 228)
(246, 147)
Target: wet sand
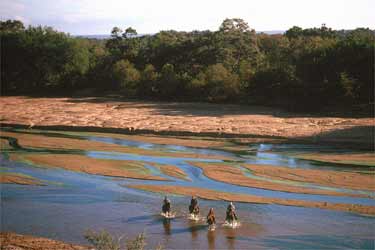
(20, 179)
(4, 144)
(197, 118)
(171, 170)
(217, 195)
(235, 144)
(327, 178)
(195, 142)
(13, 241)
(366, 159)
(28, 140)
(233, 175)
(80, 163)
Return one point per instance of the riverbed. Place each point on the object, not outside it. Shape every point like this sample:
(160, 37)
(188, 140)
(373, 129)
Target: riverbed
(73, 200)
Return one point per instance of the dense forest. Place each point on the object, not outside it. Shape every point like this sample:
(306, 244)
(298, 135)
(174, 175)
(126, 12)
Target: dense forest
(303, 69)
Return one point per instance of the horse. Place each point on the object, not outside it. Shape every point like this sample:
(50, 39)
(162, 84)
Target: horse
(194, 209)
(166, 208)
(231, 216)
(211, 221)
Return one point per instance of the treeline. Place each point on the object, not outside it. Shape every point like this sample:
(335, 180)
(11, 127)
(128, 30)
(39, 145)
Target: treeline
(303, 68)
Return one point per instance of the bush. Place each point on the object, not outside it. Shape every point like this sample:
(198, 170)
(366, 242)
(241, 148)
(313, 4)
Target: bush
(126, 75)
(138, 243)
(103, 240)
(222, 84)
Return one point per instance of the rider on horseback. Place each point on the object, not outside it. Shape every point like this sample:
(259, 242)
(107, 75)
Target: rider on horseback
(211, 217)
(166, 206)
(194, 208)
(231, 214)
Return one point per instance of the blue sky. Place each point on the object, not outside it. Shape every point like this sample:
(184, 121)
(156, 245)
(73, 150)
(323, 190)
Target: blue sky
(86, 17)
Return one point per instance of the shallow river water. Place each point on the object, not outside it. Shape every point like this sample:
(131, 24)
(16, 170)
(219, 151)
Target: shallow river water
(74, 202)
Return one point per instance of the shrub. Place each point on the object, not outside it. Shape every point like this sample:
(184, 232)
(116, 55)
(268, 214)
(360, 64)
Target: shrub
(103, 240)
(126, 75)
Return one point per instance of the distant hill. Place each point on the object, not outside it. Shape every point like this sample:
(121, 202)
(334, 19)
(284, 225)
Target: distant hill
(104, 36)
(94, 36)
(101, 36)
(272, 32)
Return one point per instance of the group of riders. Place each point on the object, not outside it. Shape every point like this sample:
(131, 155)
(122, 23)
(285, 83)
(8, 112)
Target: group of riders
(194, 210)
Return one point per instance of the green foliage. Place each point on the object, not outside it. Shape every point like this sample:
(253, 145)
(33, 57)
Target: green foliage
(11, 26)
(39, 58)
(126, 75)
(294, 32)
(233, 25)
(103, 240)
(138, 243)
(222, 83)
(308, 68)
(274, 84)
(129, 32)
(168, 84)
(149, 74)
(349, 85)
(149, 81)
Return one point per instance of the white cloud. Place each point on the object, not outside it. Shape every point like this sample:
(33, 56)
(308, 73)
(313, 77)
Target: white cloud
(12, 9)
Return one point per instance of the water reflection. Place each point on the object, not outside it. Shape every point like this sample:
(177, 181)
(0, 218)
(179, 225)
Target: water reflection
(211, 236)
(194, 230)
(231, 240)
(167, 226)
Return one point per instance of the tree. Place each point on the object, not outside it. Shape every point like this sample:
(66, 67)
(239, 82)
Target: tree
(77, 64)
(39, 58)
(129, 32)
(116, 33)
(126, 75)
(311, 67)
(274, 85)
(168, 85)
(234, 25)
(222, 84)
(236, 43)
(149, 81)
(11, 26)
(294, 32)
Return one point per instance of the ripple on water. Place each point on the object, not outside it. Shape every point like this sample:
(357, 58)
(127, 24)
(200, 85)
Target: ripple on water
(74, 202)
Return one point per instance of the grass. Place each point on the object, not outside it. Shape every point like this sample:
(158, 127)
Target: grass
(103, 240)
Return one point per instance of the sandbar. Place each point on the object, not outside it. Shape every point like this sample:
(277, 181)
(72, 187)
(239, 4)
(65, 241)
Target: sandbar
(226, 196)
(81, 163)
(234, 175)
(20, 179)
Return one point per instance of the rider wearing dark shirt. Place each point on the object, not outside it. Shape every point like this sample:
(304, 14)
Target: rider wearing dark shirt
(193, 205)
(231, 214)
(166, 205)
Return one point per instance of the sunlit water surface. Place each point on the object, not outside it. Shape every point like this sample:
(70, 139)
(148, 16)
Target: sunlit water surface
(73, 202)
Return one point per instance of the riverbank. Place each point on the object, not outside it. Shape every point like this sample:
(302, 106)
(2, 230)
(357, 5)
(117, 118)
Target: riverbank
(189, 119)
(13, 241)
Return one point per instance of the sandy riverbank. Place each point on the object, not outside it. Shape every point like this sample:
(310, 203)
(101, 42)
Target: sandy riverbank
(193, 118)
(13, 241)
